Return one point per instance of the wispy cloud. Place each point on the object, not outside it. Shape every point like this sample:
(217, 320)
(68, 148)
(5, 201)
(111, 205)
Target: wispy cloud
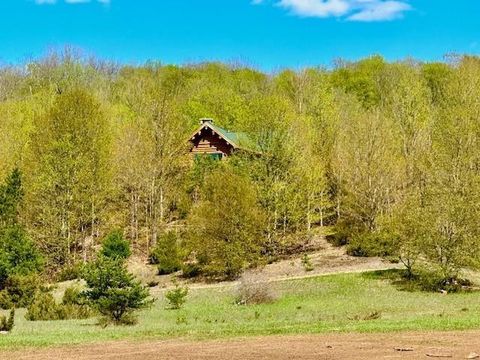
(52, 2)
(352, 10)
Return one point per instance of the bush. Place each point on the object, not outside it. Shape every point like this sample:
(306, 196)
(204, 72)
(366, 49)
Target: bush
(6, 324)
(166, 254)
(343, 232)
(433, 281)
(73, 296)
(18, 255)
(70, 272)
(254, 289)
(19, 291)
(113, 291)
(177, 297)
(227, 226)
(367, 244)
(307, 263)
(115, 246)
(45, 308)
(5, 300)
(190, 270)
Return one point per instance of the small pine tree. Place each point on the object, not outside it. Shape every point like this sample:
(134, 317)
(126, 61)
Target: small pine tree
(166, 254)
(115, 246)
(18, 254)
(177, 297)
(113, 290)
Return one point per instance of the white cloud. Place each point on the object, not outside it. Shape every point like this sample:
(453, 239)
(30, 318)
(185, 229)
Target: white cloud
(379, 11)
(352, 10)
(316, 8)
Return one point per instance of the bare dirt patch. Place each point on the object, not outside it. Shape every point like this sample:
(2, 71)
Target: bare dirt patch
(325, 260)
(413, 345)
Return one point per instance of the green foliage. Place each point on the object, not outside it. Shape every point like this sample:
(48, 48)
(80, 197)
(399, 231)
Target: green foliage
(190, 270)
(386, 153)
(371, 244)
(115, 246)
(177, 297)
(45, 308)
(343, 231)
(307, 263)
(166, 254)
(5, 300)
(428, 280)
(227, 225)
(70, 272)
(113, 291)
(68, 173)
(11, 195)
(18, 255)
(422, 279)
(361, 79)
(6, 324)
(19, 291)
(73, 296)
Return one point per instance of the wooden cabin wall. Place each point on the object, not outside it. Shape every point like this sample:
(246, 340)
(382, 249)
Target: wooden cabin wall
(209, 143)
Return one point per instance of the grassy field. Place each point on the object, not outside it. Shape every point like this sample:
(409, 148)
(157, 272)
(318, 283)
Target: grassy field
(336, 303)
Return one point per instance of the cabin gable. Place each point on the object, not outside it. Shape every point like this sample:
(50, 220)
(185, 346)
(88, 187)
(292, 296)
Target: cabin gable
(207, 141)
(212, 140)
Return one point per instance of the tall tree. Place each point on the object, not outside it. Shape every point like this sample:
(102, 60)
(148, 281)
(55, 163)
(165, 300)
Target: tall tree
(70, 178)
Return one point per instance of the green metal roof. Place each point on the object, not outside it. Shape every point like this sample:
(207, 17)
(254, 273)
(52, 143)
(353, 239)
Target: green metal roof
(238, 140)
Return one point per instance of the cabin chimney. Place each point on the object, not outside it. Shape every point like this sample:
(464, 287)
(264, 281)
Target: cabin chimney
(206, 120)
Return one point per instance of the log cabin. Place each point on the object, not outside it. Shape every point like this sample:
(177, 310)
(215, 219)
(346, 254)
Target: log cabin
(218, 143)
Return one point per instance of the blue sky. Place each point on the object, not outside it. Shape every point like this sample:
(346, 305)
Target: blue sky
(269, 34)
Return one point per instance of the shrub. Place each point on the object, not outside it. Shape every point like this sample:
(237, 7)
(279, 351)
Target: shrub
(73, 296)
(254, 289)
(428, 280)
(5, 300)
(19, 291)
(113, 291)
(45, 308)
(70, 272)
(343, 232)
(166, 254)
(18, 255)
(115, 246)
(368, 244)
(177, 297)
(6, 324)
(307, 263)
(190, 270)
(227, 226)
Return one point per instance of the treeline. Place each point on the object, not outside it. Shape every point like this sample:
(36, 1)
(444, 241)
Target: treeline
(386, 155)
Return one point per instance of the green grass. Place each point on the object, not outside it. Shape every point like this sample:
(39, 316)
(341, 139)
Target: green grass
(337, 303)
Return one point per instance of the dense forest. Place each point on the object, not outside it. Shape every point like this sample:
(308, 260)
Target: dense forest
(384, 157)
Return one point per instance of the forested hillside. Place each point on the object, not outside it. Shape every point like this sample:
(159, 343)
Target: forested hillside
(386, 155)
